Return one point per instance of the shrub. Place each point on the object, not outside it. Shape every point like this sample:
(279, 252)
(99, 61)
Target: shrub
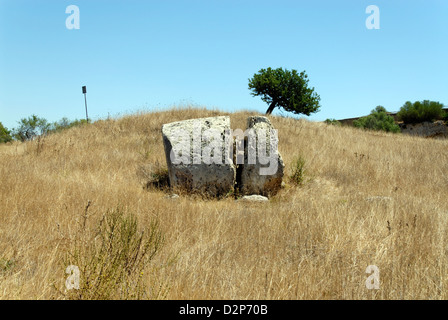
(65, 123)
(378, 120)
(113, 257)
(332, 122)
(421, 111)
(5, 134)
(31, 127)
(298, 171)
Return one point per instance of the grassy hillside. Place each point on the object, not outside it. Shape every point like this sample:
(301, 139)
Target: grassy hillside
(368, 198)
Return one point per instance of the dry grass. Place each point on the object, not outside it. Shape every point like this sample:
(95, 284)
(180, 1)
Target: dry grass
(366, 199)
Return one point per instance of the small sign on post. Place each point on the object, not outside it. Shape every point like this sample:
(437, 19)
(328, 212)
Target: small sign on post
(84, 91)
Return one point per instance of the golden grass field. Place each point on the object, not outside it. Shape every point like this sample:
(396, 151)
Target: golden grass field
(368, 198)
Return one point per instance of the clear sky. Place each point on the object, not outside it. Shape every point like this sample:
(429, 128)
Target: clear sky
(145, 55)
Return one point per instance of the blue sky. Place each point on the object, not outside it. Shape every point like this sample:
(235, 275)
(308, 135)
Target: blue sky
(147, 55)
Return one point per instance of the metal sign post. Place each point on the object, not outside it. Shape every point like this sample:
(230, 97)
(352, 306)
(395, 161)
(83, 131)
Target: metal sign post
(84, 91)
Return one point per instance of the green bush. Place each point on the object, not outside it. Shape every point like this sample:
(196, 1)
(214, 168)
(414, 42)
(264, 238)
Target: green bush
(332, 122)
(421, 111)
(65, 123)
(298, 171)
(445, 117)
(31, 127)
(378, 120)
(34, 126)
(5, 134)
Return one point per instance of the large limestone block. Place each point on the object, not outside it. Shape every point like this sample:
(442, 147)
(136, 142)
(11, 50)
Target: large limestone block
(199, 155)
(262, 170)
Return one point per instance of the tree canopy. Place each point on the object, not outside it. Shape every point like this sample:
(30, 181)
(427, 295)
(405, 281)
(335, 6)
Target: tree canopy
(286, 89)
(5, 134)
(421, 111)
(378, 120)
(31, 127)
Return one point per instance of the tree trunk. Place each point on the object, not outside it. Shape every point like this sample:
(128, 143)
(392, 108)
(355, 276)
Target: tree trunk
(271, 108)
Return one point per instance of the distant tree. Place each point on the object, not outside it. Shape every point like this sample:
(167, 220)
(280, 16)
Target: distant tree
(378, 120)
(421, 111)
(31, 127)
(79, 122)
(65, 123)
(62, 124)
(286, 89)
(5, 134)
(333, 122)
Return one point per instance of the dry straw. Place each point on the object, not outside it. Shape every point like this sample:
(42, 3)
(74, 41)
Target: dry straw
(365, 198)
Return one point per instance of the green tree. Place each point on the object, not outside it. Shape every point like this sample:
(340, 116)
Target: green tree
(333, 122)
(378, 120)
(31, 127)
(421, 111)
(65, 123)
(286, 89)
(5, 134)
(62, 124)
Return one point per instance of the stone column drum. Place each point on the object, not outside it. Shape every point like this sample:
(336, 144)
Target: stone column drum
(263, 168)
(199, 155)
